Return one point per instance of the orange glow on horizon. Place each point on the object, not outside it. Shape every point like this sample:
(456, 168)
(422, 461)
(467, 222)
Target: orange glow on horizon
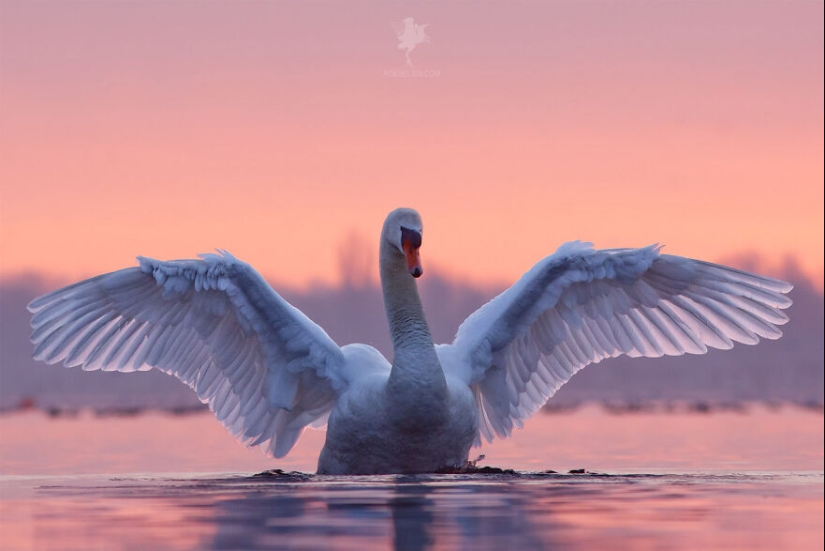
(706, 138)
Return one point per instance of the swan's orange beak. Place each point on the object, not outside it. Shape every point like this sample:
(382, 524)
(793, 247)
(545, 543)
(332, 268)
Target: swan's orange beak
(411, 242)
(413, 260)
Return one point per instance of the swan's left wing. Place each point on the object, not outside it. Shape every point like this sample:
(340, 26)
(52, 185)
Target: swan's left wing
(579, 306)
(263, 367)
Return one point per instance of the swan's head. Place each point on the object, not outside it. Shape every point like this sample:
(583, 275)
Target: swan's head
(402, 231)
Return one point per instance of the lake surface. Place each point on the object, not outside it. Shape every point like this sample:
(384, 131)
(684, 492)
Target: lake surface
(734, 479)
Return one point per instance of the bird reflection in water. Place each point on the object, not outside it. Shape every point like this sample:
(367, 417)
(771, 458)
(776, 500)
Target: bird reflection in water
(407, 512)
(512, 511)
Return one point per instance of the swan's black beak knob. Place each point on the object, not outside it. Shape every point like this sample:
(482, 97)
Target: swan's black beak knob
(411, 242)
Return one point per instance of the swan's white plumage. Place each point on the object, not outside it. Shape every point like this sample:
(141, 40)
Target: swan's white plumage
(580, 306)
(267, 371)
(264, 368)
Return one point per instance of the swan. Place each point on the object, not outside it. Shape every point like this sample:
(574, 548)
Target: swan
(267, 371)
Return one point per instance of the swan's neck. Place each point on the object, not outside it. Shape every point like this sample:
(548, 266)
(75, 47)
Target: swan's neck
(415, 363)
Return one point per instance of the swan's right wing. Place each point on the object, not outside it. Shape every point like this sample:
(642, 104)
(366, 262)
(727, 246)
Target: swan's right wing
(580, 306)
(264, 368)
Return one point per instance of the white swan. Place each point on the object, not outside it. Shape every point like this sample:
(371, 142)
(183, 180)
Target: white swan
(267, 371)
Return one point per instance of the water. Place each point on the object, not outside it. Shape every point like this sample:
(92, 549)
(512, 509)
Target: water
(728, 480)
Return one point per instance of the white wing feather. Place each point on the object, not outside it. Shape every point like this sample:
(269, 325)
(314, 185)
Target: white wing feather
(579, 306)
(264, 368)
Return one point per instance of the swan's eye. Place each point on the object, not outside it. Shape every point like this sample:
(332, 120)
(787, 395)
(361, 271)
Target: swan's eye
(410, 238)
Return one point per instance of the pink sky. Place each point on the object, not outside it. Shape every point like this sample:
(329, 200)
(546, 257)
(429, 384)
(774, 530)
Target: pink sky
(270, 129)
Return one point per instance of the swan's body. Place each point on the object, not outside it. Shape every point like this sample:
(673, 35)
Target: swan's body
(267, 371)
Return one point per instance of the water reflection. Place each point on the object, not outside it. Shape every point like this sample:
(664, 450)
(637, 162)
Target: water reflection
(412, 517)
(759, 511)
(45, 503)
(407, 513)
(693, 511)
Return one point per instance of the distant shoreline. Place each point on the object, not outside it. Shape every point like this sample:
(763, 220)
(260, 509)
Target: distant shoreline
(612, 407)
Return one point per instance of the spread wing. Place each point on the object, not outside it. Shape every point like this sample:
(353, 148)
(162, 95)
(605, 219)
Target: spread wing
(580, 306)
(264, 368)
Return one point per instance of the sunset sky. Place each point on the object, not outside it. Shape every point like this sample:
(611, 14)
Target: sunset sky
(285, 132)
